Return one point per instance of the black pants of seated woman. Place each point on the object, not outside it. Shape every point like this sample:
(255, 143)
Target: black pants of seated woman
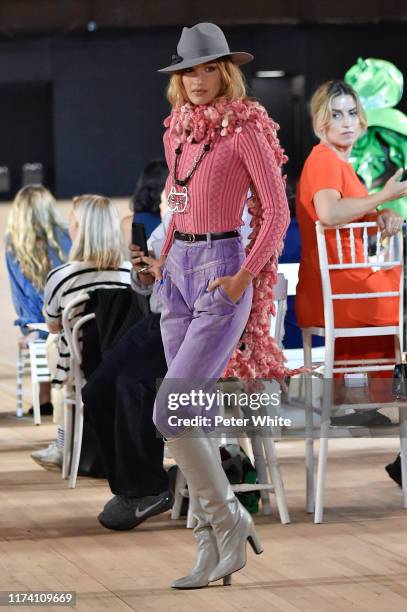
(119, 399)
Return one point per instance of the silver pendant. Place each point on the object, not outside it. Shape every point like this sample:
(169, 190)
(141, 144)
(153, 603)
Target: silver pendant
(177, 200)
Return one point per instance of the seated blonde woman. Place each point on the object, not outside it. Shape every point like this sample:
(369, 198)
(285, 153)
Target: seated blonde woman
(330, 191)
(96, 260)
(37, 240)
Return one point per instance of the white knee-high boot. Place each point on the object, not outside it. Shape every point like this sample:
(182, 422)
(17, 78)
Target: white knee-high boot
(207, 557)
(208, 484)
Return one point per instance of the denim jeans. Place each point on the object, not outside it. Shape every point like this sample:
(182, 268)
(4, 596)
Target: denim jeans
(200, 328)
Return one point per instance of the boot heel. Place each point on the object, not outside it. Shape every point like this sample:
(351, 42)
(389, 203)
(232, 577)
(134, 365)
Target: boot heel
(227, 580)
(255, 542)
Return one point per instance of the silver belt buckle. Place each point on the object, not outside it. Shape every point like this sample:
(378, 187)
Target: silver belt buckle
(191, 237)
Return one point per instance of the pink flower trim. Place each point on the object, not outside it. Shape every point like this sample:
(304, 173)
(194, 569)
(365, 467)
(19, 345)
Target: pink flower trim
(191, 123)
(259, 357)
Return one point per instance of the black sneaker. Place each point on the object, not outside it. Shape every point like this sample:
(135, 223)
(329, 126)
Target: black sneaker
(112, 503)
(368, 418)
(394, 471)
(45, 409)
(124, 513)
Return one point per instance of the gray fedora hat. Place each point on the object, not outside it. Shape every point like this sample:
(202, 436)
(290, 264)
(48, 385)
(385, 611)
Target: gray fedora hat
(203, 43)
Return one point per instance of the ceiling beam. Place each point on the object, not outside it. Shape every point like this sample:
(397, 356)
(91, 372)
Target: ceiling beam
(27, 16)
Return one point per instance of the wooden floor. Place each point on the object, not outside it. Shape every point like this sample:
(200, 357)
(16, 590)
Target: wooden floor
(357, 560)
(50, 538)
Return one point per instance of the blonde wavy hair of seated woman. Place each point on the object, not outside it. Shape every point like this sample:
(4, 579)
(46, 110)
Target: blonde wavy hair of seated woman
(233, 86)
(98, 236)
(31, 232)
(321, 105)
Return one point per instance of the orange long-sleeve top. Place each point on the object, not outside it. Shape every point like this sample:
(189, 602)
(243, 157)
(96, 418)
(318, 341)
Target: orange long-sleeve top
(218, 190)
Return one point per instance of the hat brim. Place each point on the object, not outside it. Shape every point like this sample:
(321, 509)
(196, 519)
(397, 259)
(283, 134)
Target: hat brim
(238, 58)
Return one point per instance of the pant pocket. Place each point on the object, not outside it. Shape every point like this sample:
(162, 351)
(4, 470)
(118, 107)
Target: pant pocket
(216, 302)
(222, 295)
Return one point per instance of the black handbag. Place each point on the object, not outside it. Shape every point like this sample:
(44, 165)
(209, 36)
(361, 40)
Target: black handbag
(400, 380)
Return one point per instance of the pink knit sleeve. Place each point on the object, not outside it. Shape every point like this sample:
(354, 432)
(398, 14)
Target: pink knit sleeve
(258, 158)
(167, 150)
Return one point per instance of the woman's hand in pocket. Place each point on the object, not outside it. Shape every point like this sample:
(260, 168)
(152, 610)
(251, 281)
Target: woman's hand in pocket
(233, 286)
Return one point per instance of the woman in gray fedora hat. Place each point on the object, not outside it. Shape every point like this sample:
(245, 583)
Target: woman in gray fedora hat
(218, 144)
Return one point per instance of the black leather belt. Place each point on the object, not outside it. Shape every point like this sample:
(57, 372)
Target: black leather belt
(200, 237)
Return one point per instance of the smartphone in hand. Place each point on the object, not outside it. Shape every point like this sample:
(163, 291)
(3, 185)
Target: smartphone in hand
(404, 175)
(138, 236)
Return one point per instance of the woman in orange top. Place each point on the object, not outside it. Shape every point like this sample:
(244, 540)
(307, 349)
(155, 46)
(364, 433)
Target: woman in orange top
(329, 190)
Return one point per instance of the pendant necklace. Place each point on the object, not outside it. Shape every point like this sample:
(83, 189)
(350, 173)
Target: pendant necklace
(178, 195)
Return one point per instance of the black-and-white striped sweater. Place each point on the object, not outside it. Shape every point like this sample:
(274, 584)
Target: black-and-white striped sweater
(68, 282)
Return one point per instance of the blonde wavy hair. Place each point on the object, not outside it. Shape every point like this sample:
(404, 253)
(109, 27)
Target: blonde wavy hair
(321, 105)
(99, 237)
(32, 231)
(233, 85)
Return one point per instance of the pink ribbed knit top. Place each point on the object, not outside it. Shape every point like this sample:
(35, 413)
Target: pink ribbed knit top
(218, 190)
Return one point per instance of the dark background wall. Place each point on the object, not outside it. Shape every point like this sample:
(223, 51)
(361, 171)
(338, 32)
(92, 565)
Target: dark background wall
(107, 101)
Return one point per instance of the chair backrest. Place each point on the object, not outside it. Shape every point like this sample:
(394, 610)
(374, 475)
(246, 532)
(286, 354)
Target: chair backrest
(72, 333)
(120, 306)
(350, 251)
(290, 271)
(38, 360)
(280, 298)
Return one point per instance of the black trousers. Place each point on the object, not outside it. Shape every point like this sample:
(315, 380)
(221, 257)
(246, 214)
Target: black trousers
(119, 399)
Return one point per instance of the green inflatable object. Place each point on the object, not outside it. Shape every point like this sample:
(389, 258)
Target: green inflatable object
(379, 83)
(383, 148)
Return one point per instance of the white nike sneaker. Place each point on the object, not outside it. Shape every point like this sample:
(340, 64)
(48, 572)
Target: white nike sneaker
(49, 458)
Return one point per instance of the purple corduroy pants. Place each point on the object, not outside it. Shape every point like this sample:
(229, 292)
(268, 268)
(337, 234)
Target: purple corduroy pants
(200, 328)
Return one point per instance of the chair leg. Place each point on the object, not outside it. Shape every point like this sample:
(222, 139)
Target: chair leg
(78, 433)
(19, 381)
(274, 467)
(323, 449)
(246, 445)
(180, 484)
(309, 452)
(403, 427)
(36, 401)
(309, 425)
(403, 451)
(397, 349)
(67, 452)
(261, 470)
(190, 518)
